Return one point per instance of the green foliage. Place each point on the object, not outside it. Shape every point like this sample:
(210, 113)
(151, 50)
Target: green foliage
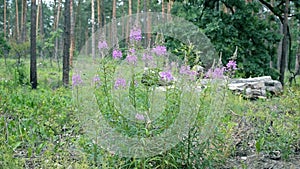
(242, 28)
(39, 128)
(4, 46)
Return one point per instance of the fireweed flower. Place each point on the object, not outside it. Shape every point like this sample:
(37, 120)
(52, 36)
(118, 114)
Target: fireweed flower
(139, 116)
(102, 45)
(216, 73)
(231, 65)
(76, 80)
(132, 59)
(160, 50)
(96, 80)
(185, 70)
(117, 54)
(166, 76)
(135, 34)
(120, 83)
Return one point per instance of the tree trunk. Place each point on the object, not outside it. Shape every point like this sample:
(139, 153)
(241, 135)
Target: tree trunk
(56, 23)
(33, 71)
(162, 8)
(145, 21)
(72, 47)
(4, 19)
(148, 24)
(78, 26)
(86, 42)
(129, 20)
(284, 43)
(23, 20)
(170, 4)
(137, 12)
(41, 26)
(66, 52)
(93, 30)
(99, 13)
(17, 22)
(37, 18)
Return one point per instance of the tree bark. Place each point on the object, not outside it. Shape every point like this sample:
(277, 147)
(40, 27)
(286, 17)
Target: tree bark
(129, 20)
(56, 23)
(72, 47)
(170, 4)
(66, 52)
(99, 13)
(37, 18)
(137, 12)
(41, 25)
(162, 8)
(4, 19)
(17, 22)
(145, 21)
(23, 20)
(148, 24)
(93, 30)
(33, 70)
(284, 43)
(112, 31)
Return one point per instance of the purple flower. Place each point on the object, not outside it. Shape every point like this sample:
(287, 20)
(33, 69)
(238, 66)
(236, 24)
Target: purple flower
(102, 45)
(185, 70)
(231, 65)
(216, 73)
(120, 83)
(166, 76)
(76, 80)
(147, 57)
(96, 80)
(139, 116)
(132, 59)
(160, 50)
(131, 50)
(135, 34)
(117, 54)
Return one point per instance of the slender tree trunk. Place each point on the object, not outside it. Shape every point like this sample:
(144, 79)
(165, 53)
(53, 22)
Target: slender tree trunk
(66, 51)
(137, 12)
(23, 21)
(72, 47)
(86, 42)
(17, 22)
(33, 70)
(78, 26)
(129, 20)
(170, 4)
(284, 43)
(113, 31)
(41, 25)
(162, 8)
(9, 21)
(56, 28)
(4, 19)
(99, 13)
(279, 49)
(148, 24)
(93, 30)
(37, 18)
(145, 21)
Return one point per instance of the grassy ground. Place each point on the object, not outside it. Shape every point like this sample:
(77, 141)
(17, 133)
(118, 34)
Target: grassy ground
(41, 129)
